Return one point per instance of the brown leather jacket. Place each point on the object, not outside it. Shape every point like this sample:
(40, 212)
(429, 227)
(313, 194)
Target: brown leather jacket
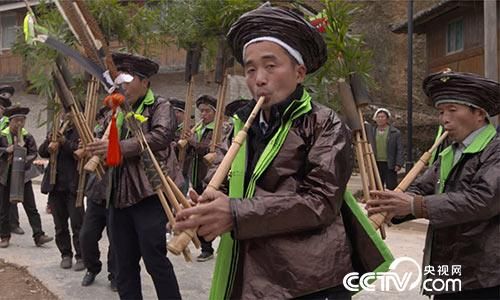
(464, 220)
(291, 233)
(131, 183)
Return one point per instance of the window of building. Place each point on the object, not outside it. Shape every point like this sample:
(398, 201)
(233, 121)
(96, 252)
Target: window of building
(8, 25)
(455, 36)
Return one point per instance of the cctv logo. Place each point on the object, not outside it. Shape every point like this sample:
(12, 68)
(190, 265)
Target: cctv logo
(393, 281)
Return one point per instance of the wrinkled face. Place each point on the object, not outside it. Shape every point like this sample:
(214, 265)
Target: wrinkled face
(135, 89)
(207, 114)
(381, 119)
(271, 72)
(460, 120)
(179, 116)
(16, 124)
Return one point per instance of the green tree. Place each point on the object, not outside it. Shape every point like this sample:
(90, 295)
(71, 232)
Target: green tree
(347, 52)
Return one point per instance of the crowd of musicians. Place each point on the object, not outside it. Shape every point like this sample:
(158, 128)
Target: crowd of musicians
(280, 214)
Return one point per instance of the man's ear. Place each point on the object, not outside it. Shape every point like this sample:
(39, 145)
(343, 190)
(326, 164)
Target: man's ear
(301, 73)
(145, 83)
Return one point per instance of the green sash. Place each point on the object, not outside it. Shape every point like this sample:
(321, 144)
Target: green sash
(478, 144)
(198, 131)
(4, 121)
(227, 253)
(434, 154)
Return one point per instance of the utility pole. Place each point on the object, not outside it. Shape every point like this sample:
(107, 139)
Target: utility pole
(491, 44)
(409, 160)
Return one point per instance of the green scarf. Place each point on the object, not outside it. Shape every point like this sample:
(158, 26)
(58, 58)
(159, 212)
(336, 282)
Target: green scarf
(227, 256)
(478, 144)
(20, 135)
(148, 100)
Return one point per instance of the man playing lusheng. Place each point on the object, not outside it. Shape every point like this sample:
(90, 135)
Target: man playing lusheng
(14, 134)
(6, 92)
(287, 182)
(138, 222)
(199, 146)
(460, 193)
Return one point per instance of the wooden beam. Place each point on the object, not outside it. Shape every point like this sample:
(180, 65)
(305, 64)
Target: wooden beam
(491, 44)
(444, 60)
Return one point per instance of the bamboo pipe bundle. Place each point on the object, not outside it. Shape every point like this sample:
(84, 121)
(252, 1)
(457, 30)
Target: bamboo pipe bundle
(219, 119)
(353, 119)
(77, 116)
(378, 220)
(163, 183)
(90, 113)
(180, 241)
(53, 156)
(371, 166)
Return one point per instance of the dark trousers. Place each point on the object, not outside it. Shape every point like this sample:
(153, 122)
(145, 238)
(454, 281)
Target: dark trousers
(139, 231)
(95, 220)
(63, 208)
(206, 246)
(337, 293)
(486, 293)
(29, 207)
(389, 177)
(14, 216)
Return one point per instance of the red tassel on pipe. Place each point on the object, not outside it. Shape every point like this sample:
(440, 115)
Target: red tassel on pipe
(114, 156)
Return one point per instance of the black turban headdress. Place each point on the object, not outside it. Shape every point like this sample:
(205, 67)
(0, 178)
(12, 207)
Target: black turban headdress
(135, 64)
(206, 99)
(5, 88)
(16, 111)
(232, 107)
(287, 26)
(177, 104)
(464, 88)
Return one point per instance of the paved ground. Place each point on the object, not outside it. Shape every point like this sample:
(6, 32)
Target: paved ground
(194, 278)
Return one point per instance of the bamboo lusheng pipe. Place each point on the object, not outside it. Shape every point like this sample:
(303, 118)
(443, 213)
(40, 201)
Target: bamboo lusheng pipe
(183, 142)
(378, 219)
(371, 165)
(80, 190)
(188, 110)
(53, 156)
(180, 241)
(219, 114)
(353, 119)
(160, 180)
(171, 220)
(95, 160)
